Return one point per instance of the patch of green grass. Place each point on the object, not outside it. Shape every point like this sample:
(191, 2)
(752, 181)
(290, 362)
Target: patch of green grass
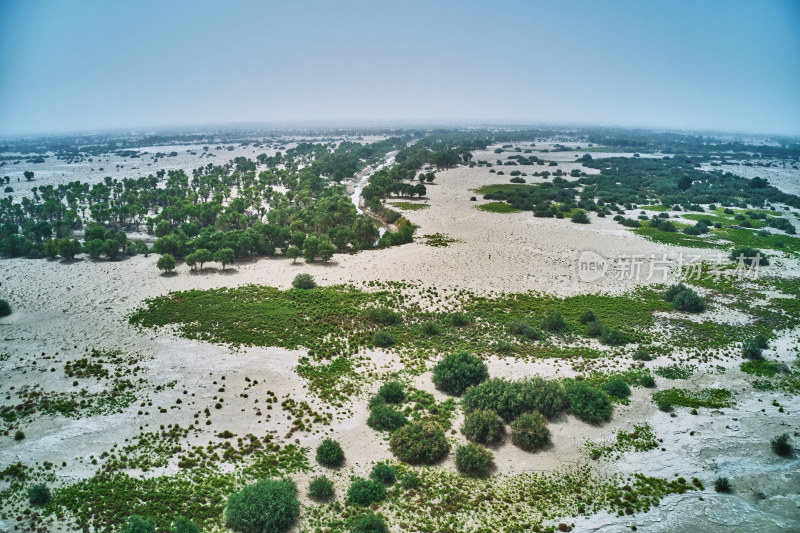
(438, 240)
(675, 238)
(640, 439)
(497, 207)
(759, 367)
(504, 187)
(712, 398)
(447, 501)
(658, 208)
(409, 206)
(335, 380)
(676, 371)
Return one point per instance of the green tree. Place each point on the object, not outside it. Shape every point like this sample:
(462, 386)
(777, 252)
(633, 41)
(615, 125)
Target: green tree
(137, 524)
(325, 248)
(28, 175)
(456, 372)
(310, 248)
(166, 262)
(203, 255)
(293, 252)
(226, 256)
(68, 248)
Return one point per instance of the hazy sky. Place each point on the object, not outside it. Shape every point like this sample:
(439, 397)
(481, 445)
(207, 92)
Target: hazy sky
(68, 65)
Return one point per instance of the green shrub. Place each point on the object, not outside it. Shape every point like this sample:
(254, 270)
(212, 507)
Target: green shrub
(523, 329)
(530, 432)
(304, 281)
(617, 387)
(365, 492)
(385, 418)
(457, 371)
(383, 315)
(369, 522)
(781, 446)
(19, 435)
(166, 262)
(483, 426)
(611, 336)
(587, 402)
(642, 354)
(38, 495)
(688, 301)
(430, 328)
(509, 399)
(648, 381)
(184, 525)
(320, 488)
(761, 341)
(137, 524)
(410, 481)
(751, 349)
(748, 254)
(664, 405)
(267, 505)
(503, 347)
(673, 291)
(382, 339)
(473, 460)
(5, 308)
(419, 443)
(580, 217)
(593, 329)
(460, 319)
(722, 484)
(587, 316)
(553, 322)
(330, 453)
(384, 473)
(392, 392)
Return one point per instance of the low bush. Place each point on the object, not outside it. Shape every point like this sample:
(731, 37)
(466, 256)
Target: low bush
(38, 495)
(781, 445)
(751, 350)
(593, 328)
(617, 387)
(410, 481)
(748, 255)
(330, 454)
(5, 308)
(384, 418)
(385, 316)
(184, 525)
(320, 488)
(509, 399)
(456, 372)
(648, 381)
(473, 460)
(530, 432)
(587, 316)
(722, 484)
(642, 354)
(684, 299)
(369, 522)
(430, 329)
(382, 339)
(19, 435)
(365, 492)
(384, 473)
(587, 402)
(522, 328)
(553, 322)
(483, 426)
(267, 505)
(580, 217)
(460, 319)
(137, 524)
(392, 392)
(611, 336)
(419, 443)
(304, 281)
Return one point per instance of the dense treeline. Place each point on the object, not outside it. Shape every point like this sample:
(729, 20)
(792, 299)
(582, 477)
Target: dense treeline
(295, 202)
(677, 143)
(627, 181)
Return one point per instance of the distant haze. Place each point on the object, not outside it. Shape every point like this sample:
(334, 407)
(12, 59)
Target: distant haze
(79, 65)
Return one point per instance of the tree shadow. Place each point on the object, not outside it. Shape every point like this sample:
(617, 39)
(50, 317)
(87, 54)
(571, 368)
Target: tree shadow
(170, 274)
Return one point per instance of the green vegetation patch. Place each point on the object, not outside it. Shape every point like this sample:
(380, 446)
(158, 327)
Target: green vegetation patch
(409, 206)
(640, 439)
(712, 398)
(497, 207)
(676, 371)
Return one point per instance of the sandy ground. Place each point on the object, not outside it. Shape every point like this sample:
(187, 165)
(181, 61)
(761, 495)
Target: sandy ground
(66, 307)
